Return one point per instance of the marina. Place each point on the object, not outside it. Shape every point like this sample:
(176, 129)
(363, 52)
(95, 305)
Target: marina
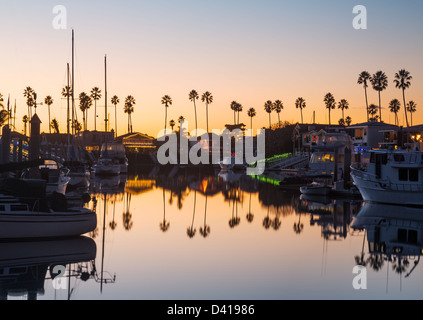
(222, 151)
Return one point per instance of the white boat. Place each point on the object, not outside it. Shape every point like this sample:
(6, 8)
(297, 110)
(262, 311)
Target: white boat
(329, 155)
(25, 214)
(116, 152)
(79, 175)
(52, 172)
(231, 163)
(392, 176)
(316, 189)
(18, 221)
(106, 167)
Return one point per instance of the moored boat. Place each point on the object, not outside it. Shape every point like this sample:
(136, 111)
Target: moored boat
(392, 177)
(26, 214)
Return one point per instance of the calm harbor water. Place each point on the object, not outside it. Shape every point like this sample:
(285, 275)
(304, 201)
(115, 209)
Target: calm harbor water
(207, 235)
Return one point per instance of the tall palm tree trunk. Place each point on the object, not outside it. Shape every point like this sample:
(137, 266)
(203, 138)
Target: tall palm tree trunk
(49, 121)
(367, 104)
(165, 119)
(116, 121)
(95, 115)
(380, 109)
(302, 120)
(270, 122)
(196, 123)
(207, 116)
(405, 107)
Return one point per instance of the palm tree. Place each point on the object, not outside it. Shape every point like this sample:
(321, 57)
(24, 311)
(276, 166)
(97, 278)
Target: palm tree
(4, 117)
(115, 101)
(363, 79)
(330, 103)
(77, 126)
(48, 101)
(403, 81)
(239, 110)
(278, 107)
(95, 95)
(166, 101)
(252, 113)
(172, 124)
(207, 98)
(268, 107)
(29, 95)
(379, 82)
(394, 107)
(67, 94)
(85, 102)
(25, 120)
(301, 104)
(348, 121)
(343, 105)
(234, 108)
(193, 96)
(55, 125)
(412, 108)
(129, 109)
(373, 113)
(1, 101)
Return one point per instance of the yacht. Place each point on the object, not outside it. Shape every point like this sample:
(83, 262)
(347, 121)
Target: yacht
(106, 167)
(55, 175)
(25, 213)
(329, 155)
(392, 177)
(116, 152)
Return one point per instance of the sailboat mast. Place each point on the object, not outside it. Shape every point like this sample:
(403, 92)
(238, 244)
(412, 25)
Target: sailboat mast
(73, 81)
(68, 111)
(105, 93)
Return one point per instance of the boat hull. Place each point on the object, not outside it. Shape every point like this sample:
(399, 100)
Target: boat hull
(373, 191)
(46, 225)
(316, 191)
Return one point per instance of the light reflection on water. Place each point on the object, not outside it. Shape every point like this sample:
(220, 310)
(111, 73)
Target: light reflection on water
(206, 235)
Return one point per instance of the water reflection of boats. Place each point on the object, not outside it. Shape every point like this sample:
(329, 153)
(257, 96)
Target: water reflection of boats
(24, 266)
(392, 229)
(333, 215)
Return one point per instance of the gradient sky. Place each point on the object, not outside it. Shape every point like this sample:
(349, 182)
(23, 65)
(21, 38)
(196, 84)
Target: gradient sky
(243, 50)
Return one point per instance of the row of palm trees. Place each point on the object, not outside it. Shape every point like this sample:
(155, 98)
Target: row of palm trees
(86, 101)
(379, 82)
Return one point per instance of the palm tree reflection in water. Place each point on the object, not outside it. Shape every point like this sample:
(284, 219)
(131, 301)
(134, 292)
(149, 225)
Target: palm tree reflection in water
(164, 226)
(205, 230)
(191, 230)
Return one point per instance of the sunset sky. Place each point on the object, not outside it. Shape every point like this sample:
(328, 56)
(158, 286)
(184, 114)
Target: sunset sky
(243, 50)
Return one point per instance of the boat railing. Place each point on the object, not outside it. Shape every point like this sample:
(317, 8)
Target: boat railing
(405, 187)
(365, 175)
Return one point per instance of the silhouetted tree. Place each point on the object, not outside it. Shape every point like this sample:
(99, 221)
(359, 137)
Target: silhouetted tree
(379, 82)
(403, 81)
